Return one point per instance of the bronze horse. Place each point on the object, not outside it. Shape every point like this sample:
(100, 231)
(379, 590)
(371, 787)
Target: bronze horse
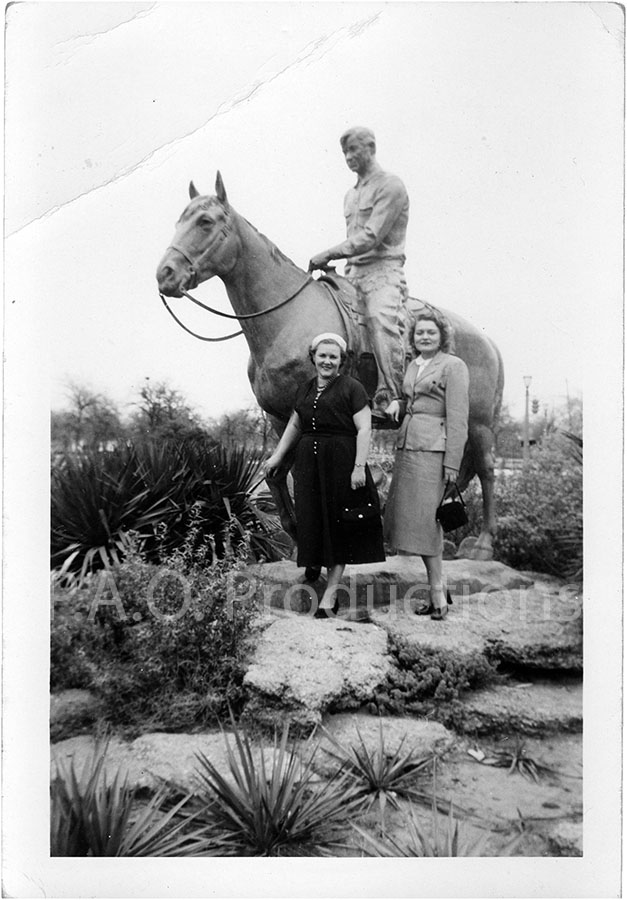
(285, 308)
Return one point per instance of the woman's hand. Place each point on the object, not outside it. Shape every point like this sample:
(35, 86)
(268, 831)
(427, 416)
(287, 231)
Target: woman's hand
(393, 410)
(272, 465)
(450, 475)
(358, 477)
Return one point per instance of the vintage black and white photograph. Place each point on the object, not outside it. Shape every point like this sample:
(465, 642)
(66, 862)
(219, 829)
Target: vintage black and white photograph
(313, 448)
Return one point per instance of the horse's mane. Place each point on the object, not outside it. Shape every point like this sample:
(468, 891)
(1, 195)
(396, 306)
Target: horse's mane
(276, 254)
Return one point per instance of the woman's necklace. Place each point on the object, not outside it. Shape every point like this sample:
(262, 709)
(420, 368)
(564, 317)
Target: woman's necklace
(329, 381)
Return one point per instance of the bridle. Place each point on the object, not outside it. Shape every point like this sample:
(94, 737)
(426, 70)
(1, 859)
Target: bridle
(194, 267)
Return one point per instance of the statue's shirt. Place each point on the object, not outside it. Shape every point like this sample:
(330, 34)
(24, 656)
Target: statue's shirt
(376, 212)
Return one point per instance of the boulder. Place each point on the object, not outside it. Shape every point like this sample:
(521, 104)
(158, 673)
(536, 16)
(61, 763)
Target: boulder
(152, 758)
(449, 550)
(303, 666)
(537, 708)
(566, 839)
(72, 712)
(422, 736)
(539, 628)
(500, 797)
(398, 580)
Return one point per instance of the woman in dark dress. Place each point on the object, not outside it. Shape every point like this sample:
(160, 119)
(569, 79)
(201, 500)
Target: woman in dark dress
(330, 426)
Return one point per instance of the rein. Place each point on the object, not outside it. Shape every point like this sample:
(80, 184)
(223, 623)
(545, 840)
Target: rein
(255, 315)
(217, 312)
(193, 333)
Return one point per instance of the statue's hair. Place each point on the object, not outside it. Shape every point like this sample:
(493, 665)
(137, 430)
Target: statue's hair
(359, 133)
(447, 333)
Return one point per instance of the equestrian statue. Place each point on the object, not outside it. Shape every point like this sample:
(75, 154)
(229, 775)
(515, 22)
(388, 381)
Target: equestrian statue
(279, 307)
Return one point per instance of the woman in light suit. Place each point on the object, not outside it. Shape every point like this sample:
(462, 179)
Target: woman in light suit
(429, 448)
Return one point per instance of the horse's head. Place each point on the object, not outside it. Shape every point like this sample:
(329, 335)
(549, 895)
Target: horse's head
(204, 243)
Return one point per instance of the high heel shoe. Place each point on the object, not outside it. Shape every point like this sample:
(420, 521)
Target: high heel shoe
(428, 610)
(324, 612)
(438, 614)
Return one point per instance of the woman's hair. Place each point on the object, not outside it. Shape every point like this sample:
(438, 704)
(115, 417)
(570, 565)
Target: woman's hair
(343, 353)
(447, 335)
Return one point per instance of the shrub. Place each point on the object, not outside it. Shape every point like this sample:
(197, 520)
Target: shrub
(158, 491)
(162, 646)
(423, 678)
(539, 510)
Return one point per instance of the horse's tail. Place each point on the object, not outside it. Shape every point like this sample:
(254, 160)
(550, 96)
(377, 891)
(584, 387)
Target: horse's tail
(500, 383)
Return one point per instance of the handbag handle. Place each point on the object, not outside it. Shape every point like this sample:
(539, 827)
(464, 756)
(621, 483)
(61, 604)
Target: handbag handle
(455, 488)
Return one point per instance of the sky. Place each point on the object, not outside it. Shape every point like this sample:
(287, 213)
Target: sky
(504, 120)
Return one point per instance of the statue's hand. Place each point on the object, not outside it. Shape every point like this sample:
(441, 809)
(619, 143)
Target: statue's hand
(393, 410)
(318, 261)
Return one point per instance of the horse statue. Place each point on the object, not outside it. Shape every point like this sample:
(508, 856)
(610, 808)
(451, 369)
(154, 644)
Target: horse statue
(280, 307)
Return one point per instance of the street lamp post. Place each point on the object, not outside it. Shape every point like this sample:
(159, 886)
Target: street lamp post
(527, 383)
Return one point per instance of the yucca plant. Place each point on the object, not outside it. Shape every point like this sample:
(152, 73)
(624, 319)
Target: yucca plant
(222, 481)
(380, 774)
(97, 498)
(274, 804)
(447, 841)
(514, 759)
(91, 815)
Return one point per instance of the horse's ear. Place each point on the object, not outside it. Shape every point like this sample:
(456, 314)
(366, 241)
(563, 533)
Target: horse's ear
(192, 191)
(220, 191)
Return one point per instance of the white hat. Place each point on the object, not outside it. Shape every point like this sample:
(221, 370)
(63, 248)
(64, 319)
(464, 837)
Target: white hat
(329, 336)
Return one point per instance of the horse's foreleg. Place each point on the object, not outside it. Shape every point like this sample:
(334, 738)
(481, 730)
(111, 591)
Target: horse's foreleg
(481, 443)
(282, 497)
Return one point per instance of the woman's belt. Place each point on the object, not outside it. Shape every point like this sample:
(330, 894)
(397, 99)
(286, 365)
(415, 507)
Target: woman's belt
(332, 434)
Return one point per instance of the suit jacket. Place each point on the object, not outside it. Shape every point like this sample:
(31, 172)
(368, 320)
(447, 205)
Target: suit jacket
(435, 408)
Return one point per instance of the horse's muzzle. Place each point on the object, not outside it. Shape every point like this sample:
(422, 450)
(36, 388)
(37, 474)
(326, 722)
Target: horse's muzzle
(173, 278)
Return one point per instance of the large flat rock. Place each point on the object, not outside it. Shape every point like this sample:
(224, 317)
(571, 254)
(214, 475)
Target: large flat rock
(529, 708)
(538, 628)
(72, 712)
(302, 666)
(150, 759)
(358, 729)
(400, 580)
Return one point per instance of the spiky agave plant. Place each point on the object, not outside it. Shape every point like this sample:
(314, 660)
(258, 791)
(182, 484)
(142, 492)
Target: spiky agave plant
(381, 774)
(274, 804)
(448, 841)
(97, 498)
(91, 815)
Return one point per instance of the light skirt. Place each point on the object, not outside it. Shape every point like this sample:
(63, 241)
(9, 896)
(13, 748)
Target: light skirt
(415, 492)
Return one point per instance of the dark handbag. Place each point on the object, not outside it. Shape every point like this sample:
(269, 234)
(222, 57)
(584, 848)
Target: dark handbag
(366, 507)
(451, 513)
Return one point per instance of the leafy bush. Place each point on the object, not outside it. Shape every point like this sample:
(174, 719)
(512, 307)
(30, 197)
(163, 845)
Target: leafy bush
(539, 510)
(423, 676)
(157, 491)
(162, 646)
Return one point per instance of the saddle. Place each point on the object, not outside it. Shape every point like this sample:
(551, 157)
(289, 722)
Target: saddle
(361, 363)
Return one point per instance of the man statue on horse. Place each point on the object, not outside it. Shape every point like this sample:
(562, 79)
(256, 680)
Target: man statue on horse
(376, 211)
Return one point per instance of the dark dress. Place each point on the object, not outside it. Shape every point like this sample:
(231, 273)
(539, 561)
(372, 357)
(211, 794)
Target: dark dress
(325, 457)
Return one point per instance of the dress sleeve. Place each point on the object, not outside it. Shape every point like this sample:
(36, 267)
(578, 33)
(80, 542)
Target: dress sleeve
(357, 396)
(457, 403)
(301, 394)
